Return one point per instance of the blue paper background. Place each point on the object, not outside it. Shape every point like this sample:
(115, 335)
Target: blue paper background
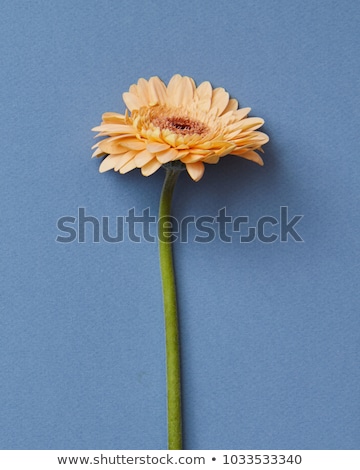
(269, 332)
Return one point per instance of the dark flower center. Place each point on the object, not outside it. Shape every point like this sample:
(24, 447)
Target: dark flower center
(180, 125)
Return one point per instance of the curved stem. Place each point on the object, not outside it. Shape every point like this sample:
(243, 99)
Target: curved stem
(170, 311)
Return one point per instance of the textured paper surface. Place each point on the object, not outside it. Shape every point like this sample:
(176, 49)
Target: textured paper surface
(270, 332)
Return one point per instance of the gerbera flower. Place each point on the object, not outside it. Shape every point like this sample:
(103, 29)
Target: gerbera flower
(180, 122)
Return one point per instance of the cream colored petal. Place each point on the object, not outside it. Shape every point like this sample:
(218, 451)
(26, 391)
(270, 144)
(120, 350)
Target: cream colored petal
(212, 160)
(133, 144)
(231, 106)
(192, 158)
(132, 101)
(133, 89)
(109, 163)
(219, 100)
(154, 147)
(241, 113)
(150, 167)
(235, 126)
(250, 141)
(234, 131)
(199, 151)
(261, 138)
(100, 134)
(172, 89)
(109, 145)
(98, 152)
(212, 116)
(142, 158)
(251, 123)
(244, 136)
(224, 151)
(125, 159)
(182, 154)
(157, 91)
(187, 139)
(195, 170)
(251, 155)
(184, 93)
(143, 91)
(226, 118)
(204, 94)
(113, 118)
(171, 139)
(193, 84)
(153, 134)
(112, 145)
(182, 147)
(114, 129)
(206, 145)
(131, 165)
(235, 135)
(167, 156)
(217, 144)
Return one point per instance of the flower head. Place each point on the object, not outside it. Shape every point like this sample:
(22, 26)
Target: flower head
(178, 122)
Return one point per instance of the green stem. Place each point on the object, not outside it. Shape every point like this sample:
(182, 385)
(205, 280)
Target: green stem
(170, 311)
